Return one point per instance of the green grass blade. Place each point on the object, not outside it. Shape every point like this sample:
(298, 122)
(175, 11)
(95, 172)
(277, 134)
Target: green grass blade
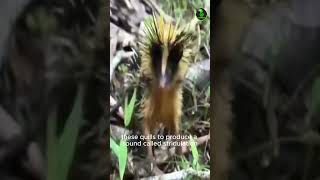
(68, 139)
(114, 147)
(129, 108)
(195, 153)
(123, 152)
(183, 163)
(208, 92)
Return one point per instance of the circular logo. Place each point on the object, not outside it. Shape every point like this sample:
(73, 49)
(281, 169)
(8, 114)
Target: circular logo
(201, 14)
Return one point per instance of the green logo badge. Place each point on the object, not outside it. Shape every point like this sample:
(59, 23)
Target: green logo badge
(201, 14)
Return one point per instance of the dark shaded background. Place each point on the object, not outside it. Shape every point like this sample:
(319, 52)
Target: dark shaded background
(48, 49)
(270, 49)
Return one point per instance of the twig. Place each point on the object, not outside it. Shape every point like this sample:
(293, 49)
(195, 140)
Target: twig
(269, 105)
(159, 10)
(117, 59)
(207, 50)
(114, 63)
(199, 43)
(301, 87)
(201, 140)
(304, 139)
(196, 106)
(181, 175)
(116, 106)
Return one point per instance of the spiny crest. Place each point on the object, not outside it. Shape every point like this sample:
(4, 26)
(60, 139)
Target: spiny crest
(160, 33)
(158, 30)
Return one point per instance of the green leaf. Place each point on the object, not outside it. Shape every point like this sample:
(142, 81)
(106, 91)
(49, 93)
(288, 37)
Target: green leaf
(114, 147)
(184, 163)
(123, 152)
(129, 108)
(208, 92)
(68, 139)
(195, 153)
(60, 151)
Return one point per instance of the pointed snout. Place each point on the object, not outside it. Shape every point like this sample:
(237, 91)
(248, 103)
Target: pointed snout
(163, 83)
